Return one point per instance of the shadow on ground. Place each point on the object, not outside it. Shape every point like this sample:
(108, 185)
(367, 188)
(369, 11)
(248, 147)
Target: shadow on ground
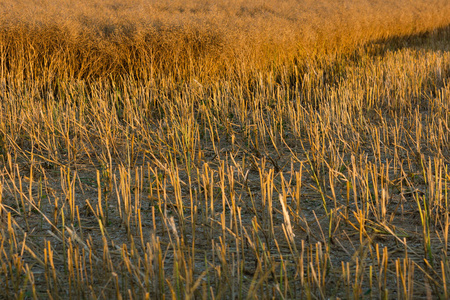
(433, 40)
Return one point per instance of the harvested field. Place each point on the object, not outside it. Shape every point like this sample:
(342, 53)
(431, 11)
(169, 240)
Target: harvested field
(224, 149)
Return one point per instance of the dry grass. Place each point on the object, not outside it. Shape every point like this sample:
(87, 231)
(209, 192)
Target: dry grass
(200, 39)
(224, 149)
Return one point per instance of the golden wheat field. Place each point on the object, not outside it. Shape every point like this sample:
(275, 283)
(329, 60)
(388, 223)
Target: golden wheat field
(224, 149)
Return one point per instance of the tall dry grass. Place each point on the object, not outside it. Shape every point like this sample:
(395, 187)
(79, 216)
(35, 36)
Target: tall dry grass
(201, 39)
(224, 149)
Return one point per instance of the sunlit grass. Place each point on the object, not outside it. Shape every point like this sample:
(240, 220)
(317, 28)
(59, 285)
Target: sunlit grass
(224, 149)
